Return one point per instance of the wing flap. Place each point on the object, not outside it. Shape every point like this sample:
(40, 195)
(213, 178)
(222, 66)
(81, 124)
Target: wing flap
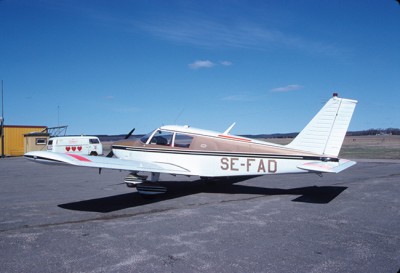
(104, 162)
(327, 167)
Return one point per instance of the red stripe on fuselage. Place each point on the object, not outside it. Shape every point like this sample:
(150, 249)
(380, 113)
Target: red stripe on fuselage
(80, 158)
(235, 138)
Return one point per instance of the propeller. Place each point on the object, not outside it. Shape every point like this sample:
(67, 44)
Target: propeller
(111, 154)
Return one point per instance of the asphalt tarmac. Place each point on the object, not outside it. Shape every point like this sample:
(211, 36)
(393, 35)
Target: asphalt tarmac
(68, 219)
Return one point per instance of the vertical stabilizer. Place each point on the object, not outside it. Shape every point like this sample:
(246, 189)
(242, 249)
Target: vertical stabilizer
(325, 133)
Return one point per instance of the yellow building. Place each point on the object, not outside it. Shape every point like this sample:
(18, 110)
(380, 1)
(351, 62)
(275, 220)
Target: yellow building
(36, 141)
(14, 138)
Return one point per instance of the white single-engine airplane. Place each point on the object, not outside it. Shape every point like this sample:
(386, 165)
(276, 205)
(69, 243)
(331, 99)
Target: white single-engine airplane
(182, 150)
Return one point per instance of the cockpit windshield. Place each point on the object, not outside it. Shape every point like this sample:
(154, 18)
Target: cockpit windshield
(162, 138)
(146, 137)
(166, 138)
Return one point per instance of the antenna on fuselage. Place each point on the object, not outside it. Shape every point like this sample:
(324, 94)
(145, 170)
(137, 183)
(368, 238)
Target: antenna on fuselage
(229, 129)
(179, 115)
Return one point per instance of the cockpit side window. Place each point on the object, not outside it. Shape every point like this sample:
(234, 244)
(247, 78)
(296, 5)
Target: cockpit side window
(182, 141)
(162, 138)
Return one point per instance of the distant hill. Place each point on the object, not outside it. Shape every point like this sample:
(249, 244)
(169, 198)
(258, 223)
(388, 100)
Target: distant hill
(369, 132)
(104, 138)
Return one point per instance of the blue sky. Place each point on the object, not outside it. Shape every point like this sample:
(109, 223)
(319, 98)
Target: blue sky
(269, 66)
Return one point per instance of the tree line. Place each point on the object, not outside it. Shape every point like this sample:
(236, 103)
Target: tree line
(374, 132)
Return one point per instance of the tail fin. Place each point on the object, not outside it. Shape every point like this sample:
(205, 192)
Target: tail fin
(325, 133)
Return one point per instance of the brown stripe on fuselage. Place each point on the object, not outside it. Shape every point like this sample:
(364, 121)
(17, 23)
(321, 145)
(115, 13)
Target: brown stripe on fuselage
(221, 145)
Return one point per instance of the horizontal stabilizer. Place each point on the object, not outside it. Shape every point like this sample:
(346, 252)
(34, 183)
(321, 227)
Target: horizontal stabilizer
(327, 167)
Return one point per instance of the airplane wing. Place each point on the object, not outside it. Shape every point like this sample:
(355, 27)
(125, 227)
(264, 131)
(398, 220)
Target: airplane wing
(327, 167)
(105, 162)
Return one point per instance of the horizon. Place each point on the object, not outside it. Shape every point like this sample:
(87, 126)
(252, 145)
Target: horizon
(368, 132)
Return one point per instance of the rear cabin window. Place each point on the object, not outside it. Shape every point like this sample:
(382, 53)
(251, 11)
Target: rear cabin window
(182, 141)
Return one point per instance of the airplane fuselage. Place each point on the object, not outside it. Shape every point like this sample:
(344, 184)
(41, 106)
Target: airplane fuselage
(210, 154)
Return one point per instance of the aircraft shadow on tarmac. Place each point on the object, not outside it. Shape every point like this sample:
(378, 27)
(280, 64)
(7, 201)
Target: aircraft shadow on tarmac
(312, 194)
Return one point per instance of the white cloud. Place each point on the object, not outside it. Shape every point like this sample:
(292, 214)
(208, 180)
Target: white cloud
(287, 88)
(226, 63)
(211, 34)
(201, 64)
(201, 31)
(208, 64)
